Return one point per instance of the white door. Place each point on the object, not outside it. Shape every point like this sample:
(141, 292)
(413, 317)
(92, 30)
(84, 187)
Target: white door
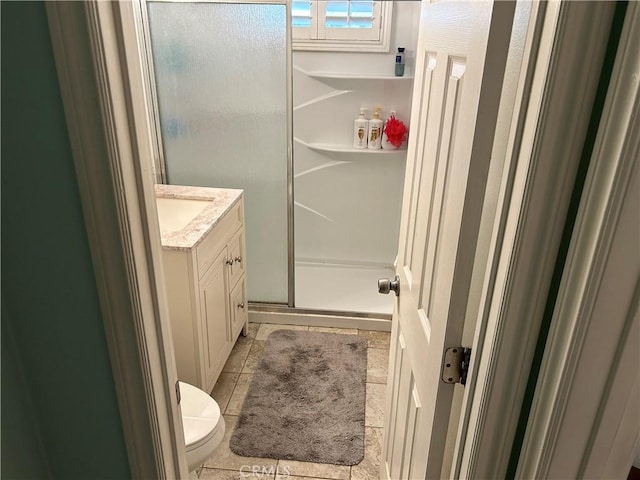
(460, 59)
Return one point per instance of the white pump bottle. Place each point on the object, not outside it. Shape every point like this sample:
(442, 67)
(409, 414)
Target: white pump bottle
(360, 130)
(375, 130)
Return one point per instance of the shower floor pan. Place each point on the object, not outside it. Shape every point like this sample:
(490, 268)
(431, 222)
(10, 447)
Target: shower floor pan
(347, 288)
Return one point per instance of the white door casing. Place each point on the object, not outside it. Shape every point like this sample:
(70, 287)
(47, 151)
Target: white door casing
(558, 106)
(585, 416)
(461, 57)
(96, 51)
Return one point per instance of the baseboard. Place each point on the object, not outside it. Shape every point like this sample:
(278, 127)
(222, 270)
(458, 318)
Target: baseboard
(319, 320)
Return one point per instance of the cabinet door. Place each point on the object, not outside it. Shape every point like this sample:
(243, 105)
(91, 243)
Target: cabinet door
(236, 254)
(239, 308)
(214, 312)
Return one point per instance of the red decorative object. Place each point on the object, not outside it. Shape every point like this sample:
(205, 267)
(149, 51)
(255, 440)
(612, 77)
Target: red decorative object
(396, 131)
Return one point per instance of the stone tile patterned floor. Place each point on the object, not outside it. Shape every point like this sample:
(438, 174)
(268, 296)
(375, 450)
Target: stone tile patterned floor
(232, 386)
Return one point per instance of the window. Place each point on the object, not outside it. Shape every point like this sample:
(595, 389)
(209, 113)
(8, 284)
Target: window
(341, 25)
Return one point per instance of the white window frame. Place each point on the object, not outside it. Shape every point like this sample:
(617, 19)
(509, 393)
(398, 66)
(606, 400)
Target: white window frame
(318, 38)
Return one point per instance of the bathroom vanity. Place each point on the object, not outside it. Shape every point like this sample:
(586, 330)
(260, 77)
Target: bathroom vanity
(203, 253)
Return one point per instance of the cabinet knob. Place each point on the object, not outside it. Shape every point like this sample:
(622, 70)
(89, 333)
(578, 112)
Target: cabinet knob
(241, 305)
(229, 261)
(238, 259)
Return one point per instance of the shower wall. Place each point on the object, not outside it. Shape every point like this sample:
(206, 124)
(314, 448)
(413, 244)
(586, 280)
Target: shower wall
(347, 204)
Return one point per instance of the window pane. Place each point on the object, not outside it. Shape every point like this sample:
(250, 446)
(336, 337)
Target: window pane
(349, 14)
(361, 9)
(337, 9)
(300, 22)
(301, 14)
(360, 23)
(337, 23)
(301, 9)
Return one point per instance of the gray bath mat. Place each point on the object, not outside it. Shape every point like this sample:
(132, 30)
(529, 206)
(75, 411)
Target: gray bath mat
(306, 401)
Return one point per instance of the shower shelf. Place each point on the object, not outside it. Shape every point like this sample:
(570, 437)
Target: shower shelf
(328, 147)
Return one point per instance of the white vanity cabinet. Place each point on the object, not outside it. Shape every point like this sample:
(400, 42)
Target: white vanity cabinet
(207, 298)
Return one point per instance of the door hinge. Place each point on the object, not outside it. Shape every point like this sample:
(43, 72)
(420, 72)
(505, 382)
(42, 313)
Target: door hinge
(178, 391)
(455, 366)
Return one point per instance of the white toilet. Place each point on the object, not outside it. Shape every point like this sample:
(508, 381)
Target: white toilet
(202, 423)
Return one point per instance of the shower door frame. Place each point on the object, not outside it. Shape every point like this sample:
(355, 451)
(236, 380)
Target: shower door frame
(377, 321)
(159, 161)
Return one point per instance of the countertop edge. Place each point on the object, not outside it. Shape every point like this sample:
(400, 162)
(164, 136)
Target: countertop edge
(192, 235)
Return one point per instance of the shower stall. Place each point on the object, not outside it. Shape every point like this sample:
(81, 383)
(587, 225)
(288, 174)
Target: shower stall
(235, 107)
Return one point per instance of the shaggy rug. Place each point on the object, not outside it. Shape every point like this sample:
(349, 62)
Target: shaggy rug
(306, 401)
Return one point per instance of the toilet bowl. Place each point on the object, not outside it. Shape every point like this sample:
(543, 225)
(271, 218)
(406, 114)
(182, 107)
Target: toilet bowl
(202, 424)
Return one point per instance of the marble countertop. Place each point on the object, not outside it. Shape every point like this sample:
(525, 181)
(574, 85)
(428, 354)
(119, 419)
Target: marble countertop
(222, 200)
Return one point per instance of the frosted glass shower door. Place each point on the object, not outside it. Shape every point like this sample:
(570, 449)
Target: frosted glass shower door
(221, 82)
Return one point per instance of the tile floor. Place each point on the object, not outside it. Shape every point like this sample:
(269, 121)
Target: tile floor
(231, 389)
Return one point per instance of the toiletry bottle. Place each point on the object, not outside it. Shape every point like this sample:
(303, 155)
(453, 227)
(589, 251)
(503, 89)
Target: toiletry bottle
(375, 130)
(360, 130)
(400, 62)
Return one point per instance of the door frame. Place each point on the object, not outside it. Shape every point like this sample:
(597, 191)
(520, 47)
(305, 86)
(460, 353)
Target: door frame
(607, 419)
(547, 147)
(100, 78)
(96, 51)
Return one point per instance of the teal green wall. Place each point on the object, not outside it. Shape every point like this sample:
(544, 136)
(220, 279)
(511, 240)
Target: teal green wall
(48, 289)
(22, 449)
